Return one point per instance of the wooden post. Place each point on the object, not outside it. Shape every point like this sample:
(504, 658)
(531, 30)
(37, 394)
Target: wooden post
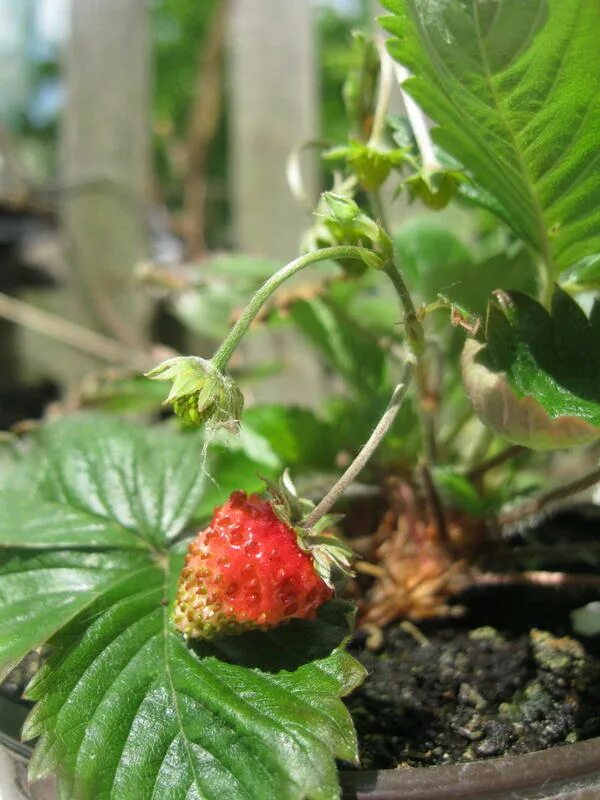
(274, 109)
(105, 155)
(274, 102)
(104, 150)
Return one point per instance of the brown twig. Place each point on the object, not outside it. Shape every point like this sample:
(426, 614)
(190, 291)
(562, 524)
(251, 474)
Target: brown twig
(542, 501)
(204, 124)
(537, 578)
(83, 339)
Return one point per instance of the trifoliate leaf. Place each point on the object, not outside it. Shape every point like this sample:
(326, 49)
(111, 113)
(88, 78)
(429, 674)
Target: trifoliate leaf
(514, 86)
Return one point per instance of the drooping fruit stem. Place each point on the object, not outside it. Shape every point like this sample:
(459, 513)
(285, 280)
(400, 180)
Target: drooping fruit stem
(379, 433)
(235, 335)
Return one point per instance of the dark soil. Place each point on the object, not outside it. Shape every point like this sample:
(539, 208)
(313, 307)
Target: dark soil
(507, 677)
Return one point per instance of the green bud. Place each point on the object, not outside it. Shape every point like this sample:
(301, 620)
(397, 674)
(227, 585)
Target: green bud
(200, 393)
(342, 209)
(435, 188)
(371, 165)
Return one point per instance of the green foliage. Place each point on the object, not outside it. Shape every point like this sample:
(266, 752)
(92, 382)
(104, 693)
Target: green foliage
(343, 66)
(222, 285)
(350, 351)
(513, 86)
(436, 262)
(553, 356)
(458, 492)
(89, 563)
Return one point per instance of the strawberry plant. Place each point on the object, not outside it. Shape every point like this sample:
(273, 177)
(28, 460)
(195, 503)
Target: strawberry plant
(190, 605)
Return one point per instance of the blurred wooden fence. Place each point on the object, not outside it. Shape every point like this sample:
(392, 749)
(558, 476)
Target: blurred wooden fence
(273, 91)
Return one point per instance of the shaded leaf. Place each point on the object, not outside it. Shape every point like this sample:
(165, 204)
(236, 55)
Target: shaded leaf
(224, 283)
(536, 380)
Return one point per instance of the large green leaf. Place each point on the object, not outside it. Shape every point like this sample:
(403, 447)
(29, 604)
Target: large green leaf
(514, 86)
(350, 349)
(89, 563)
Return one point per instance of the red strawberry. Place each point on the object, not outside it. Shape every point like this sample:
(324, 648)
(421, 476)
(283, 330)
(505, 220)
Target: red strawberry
(246, 570)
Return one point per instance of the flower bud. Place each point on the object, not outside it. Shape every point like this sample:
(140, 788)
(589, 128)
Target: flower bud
(200, 392)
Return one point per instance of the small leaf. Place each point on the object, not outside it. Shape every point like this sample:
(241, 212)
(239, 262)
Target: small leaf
(459, 492)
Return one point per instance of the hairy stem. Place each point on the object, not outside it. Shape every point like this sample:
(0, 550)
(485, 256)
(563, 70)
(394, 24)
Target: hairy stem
(235, 335)
(415, 335)
(539, 503)
(364, 455)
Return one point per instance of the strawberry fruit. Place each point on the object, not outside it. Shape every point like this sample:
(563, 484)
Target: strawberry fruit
(248, 569)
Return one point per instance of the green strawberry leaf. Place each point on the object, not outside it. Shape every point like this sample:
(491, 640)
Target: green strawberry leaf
(351, 350)
(124, 708)
(553, 356)
(436, 262)
(537, 377)
(514, 88)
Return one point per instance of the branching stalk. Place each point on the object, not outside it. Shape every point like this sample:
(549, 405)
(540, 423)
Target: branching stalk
(226, 350)
(350, 475)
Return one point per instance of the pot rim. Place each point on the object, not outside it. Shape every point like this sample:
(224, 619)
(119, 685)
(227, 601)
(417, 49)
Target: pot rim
(568, 772)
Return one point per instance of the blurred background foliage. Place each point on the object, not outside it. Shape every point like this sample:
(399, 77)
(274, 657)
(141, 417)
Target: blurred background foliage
(32, 90)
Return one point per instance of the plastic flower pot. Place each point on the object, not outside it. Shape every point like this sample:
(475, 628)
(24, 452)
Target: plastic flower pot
(569, 772)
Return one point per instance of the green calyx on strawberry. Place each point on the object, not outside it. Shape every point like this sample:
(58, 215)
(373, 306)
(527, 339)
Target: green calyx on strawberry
(251, 568)
(200, 392)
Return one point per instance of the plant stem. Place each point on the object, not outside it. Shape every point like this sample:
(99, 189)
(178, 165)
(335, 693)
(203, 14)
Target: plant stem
(500, 458)
(418, 123)
(386, 74)
(364, 455)
(377, 208)
(434, 502)
(537, 578)
(415, 335)
(540, 502)
(226, 350)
